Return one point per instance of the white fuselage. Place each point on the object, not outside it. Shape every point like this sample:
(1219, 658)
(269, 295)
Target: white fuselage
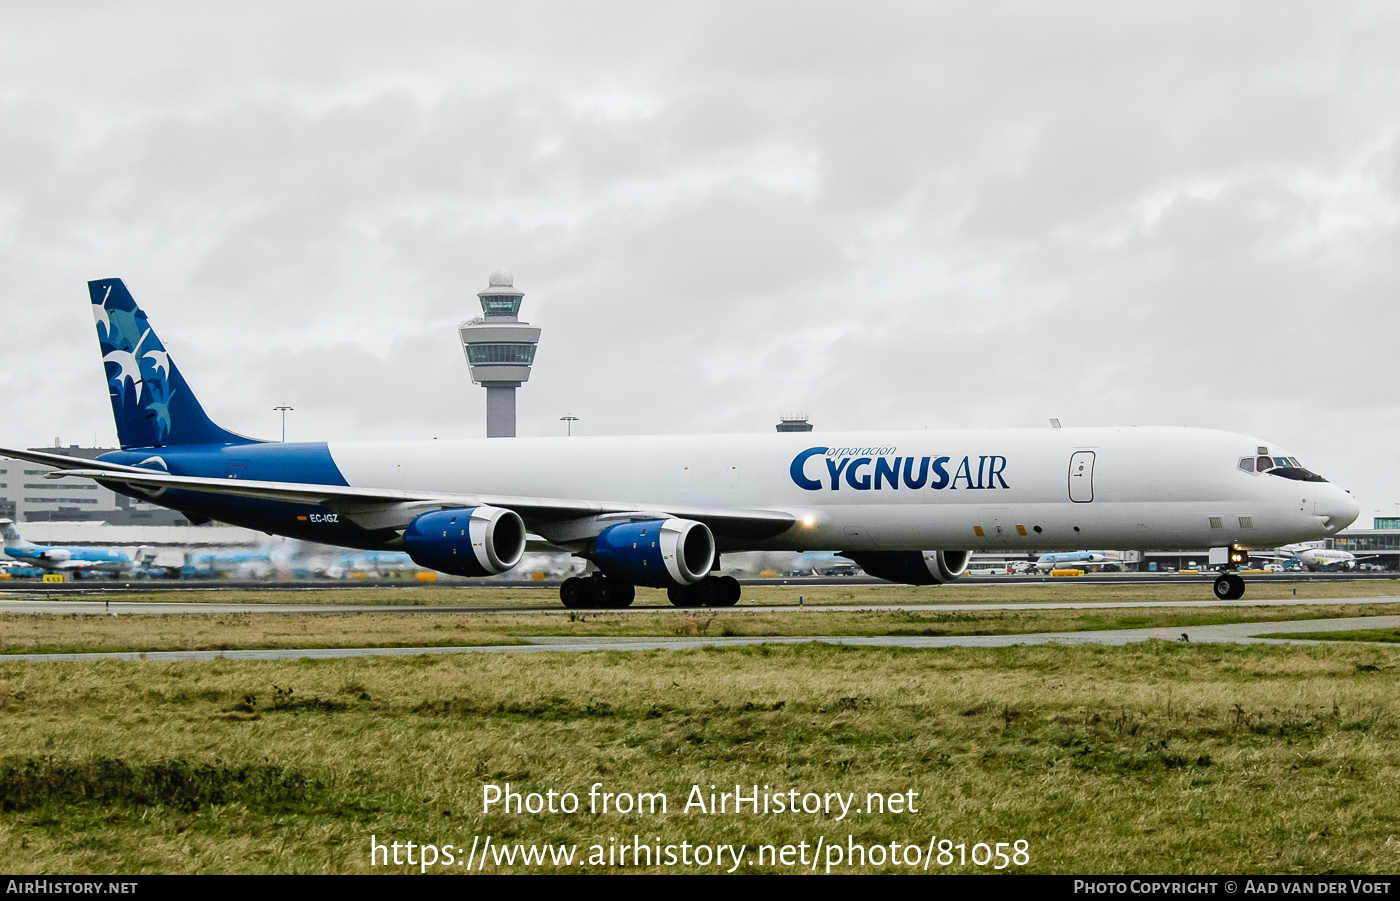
(1316, 556)
(981, 490)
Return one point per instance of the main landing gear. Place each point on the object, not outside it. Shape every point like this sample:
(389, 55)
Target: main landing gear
(711, 591)
(1229, 587)
(599, 592)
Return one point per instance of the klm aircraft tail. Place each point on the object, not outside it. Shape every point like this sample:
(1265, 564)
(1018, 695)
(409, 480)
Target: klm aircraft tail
(153, 405)
(11, 534)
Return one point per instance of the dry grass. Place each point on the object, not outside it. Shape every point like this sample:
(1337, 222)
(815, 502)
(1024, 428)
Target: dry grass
(1154, 758)
(23, 633)
(84, 633)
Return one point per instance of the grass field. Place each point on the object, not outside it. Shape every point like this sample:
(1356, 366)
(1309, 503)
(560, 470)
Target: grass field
(1383, 636)
(1153, 758)
(22, 633)
(1160, 757)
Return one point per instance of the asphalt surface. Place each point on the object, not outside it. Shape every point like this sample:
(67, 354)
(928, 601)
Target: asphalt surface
(158, 608)
(102, 587)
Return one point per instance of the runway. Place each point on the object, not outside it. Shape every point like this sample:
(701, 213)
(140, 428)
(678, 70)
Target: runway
(114, 587)
(145, 608)
(1237, 633)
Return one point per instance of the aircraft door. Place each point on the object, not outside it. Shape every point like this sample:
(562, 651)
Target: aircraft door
(1081, 477)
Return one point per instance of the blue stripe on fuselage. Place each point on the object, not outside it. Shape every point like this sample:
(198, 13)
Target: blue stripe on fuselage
(268, 462)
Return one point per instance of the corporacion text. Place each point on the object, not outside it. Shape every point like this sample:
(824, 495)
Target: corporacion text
(744, 799)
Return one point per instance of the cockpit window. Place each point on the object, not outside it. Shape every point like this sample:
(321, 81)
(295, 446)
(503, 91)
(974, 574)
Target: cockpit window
(1284, 467)
(1296, 473)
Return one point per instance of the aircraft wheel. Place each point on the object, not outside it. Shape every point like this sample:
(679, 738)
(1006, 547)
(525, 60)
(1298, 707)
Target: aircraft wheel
(610, 594)
(710, 592)
(576, 593)
(683, 595)
(729, 591)
(1229, 587)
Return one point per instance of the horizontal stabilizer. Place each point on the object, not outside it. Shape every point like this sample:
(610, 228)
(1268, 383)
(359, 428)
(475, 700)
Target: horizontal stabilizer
(63, 461)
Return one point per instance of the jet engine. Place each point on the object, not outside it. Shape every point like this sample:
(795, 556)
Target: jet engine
(913, 567)
(656, 553)
(471, 541)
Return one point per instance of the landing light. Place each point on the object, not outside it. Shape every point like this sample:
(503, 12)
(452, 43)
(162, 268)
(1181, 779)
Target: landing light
(807, 521)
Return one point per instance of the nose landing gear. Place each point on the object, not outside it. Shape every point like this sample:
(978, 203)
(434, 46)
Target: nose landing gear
(1229, 587)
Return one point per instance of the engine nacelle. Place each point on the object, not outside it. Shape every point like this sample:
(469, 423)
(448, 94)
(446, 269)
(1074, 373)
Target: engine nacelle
(656, 553)
(913, 567)
(471, 541)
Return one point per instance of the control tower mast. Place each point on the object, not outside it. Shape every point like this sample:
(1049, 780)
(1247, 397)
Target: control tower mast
(500, 350)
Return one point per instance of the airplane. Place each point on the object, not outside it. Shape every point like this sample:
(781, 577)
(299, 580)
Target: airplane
(66, 559)
(1314, 558)
(369, 563)
(658, 511)
(1069, 559)
(234, 564)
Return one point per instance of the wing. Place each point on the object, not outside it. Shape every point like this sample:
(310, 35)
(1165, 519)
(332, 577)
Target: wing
(387, 508)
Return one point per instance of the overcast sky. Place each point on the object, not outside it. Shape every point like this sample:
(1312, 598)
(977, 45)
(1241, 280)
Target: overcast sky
(886, 215)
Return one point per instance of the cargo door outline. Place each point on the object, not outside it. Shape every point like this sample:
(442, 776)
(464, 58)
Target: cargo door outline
(1081, 477)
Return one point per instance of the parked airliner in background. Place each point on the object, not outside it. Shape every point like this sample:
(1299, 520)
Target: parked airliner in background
(657, 511)
(66, 559)
(1311, 557)
(1068, 559)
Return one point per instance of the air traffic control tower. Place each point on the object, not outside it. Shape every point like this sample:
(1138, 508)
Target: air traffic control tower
(500, 350)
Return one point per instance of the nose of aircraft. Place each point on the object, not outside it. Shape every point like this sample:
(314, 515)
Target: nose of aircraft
(1338, 508)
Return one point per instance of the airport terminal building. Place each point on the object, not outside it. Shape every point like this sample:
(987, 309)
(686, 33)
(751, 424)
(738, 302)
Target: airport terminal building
(1378, 547)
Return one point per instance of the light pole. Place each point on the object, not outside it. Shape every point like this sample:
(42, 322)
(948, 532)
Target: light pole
(570, 420)
(284, 408)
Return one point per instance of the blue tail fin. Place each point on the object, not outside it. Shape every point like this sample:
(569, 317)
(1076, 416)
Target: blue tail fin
(153, 405)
